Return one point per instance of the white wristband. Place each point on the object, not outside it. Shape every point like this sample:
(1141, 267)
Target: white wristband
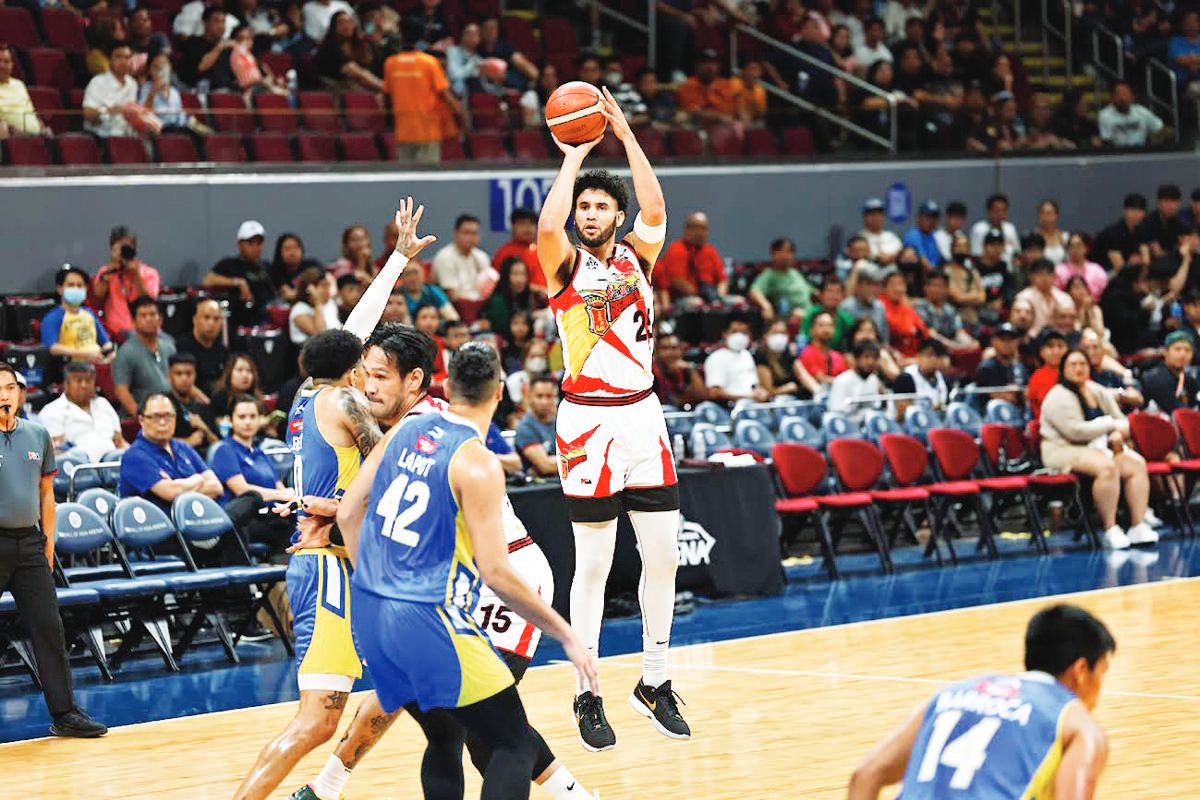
(650, 234)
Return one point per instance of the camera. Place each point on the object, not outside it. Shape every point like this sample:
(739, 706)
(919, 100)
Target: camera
(128, 252)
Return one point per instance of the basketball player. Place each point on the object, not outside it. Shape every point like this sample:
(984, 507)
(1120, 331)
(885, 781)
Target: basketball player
(423, 522)
(612, 438)
(1029, 736)
(330, 431)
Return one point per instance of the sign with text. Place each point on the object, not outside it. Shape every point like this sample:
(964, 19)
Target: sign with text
(507, 194)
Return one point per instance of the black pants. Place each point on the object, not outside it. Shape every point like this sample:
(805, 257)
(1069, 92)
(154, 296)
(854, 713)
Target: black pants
(274, 530)
(25, 573)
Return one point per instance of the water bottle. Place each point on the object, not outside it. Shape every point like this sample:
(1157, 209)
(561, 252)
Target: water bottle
(701, 449)
(678, 448)
(293, 84)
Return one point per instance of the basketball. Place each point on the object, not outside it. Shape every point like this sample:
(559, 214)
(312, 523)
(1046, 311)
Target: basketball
(573, 113)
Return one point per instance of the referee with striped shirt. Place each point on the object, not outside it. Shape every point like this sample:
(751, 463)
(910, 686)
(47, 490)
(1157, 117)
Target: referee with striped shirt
(27, 470)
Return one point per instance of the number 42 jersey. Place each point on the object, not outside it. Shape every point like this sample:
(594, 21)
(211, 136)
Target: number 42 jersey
(995, 737)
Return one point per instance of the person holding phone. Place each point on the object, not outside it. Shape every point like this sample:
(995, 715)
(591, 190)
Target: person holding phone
(123, 279)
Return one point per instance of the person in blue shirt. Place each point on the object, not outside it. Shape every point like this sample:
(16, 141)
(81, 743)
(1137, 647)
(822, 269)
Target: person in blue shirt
(158, 467)
(922, 237)
(1183, 51)
(502, 450)
(72, 330)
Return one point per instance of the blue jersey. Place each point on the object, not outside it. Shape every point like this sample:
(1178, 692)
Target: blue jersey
(995, 737)
(413, 545)
(318, 468)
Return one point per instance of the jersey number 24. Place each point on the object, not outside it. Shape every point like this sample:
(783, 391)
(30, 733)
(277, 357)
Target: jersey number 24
(401, 506)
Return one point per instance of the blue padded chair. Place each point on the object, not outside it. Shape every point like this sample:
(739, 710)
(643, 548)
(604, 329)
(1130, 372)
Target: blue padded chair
(748, 409)
(104, 502)
(66, 468)
(110, 476)
(712, 413)
(876, 423)
(835, 425)
(679, 423)
(281, 456)
(707, 439)
(753, 435)
(784, 407)
(100, 500)
(1004, 413)
(964, 417)
(798, 430)
(919, 420)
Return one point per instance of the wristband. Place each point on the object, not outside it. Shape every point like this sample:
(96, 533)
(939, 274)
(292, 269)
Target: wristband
(650, 234)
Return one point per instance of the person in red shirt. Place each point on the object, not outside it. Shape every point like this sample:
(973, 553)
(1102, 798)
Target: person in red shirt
(522, 245)
(1052, 346)
(906, 329)
(819, 358)
(690, 266)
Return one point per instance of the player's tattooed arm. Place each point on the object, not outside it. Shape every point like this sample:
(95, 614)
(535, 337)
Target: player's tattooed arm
(363, 426)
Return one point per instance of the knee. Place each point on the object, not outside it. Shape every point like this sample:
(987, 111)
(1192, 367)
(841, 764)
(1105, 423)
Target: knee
(1108, 473)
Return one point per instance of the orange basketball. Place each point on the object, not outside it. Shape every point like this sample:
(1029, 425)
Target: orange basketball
(573, 113)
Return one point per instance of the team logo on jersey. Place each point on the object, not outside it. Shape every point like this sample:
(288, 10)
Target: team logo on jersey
(604, 309)
(695, 544)
(296, 425)
(569, 460)
(1006, 688)
(426, 445)
(34, 455)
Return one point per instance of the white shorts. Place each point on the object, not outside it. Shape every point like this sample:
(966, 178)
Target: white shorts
(506, 629)
(603, 450)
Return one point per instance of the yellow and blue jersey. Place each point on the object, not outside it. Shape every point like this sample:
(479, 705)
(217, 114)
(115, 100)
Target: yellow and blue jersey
(994, 737)
(318, 467)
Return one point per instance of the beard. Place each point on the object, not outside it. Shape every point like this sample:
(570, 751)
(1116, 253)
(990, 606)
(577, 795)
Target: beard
(600, 240)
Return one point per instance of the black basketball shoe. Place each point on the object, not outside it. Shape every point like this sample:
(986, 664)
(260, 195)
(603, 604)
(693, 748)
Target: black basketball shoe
(660, 706)
(594, 731)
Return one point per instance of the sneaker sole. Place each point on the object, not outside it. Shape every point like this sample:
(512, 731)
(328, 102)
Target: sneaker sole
(641, 708)
(96, 735)
(593, 748)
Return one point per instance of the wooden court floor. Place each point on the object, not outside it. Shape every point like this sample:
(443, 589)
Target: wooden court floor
(781, 716)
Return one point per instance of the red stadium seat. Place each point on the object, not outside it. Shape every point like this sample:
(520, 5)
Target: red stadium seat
(761, 142)
(192, 104)
(75, 98)
(452, 150)
(610, 147)
(48, 103)
(482, 101)
(631, 65)
(27, 151)
(358, 146)
(278, 63)
(316, 147)
(564, 65)
(320, 112)
(483, 9)
(724, 141)
(277, 315)
(50, 68)
(487, 147)
(364, 112)
(64, 29)
(229, 113)
(530, 144)
(271, 148)
(798, 142)
(686, 143)
(225, 147)
(558, 36)
(275, 113)
(126, 150)
(1188, 422)
(18, 27)
(653, 143)
(519, 33)
(801, 471)
(160, 22)
(78, 148)
(172, 7)
(176, 148)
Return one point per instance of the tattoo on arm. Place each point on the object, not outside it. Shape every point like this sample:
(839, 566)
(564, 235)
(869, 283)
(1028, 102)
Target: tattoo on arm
(365, 429)
(336, 701)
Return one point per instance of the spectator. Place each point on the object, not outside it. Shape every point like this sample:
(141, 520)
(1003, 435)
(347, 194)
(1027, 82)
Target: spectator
(140, 368)
(422, 103)
(857, 254)
(536, 363)
(249, 479)
(1183, 51)
(350, 291)
(1170, 385)
(1039, 130)
(923, 378)
(922, 236)
(781, 289)
(417, 294)
(1092, 345)
(1126, 240)
(1043, 295)
(247, 274)
(81, 419)
(204, 342)
(1073, 121)
(208, 57)
(493, 45)
(17, 114)
(426, 321)
(1051, 347)
(159, 94)
(105, 29)
(627, 97)
(1003, 368)
(841, 44)
(109, 93)
(1083, 430)
(464, 63)
(357, 256)
(316, 310)
(252, 75)
(1127, 307)
(287, 264)
(942, 318)
(260, 20)
(122, 280)
(1125, 123)
(1021, 316)
(1033, 248)
(864, 297)
(995, 273)
(955, 224)
(865, 330)
(1077, 265)
(854, 19)
(319, 14)
(779, 372)
(909, 264)
(191, 424)
(189, 22)
(512, 294)
(690, 267)
(1088, 315)
(861, 381)
(1054, 238)
(71, 330)
(346, 58)
(906, 328)
(429, 24)
(533, 100)
(729, 371)
(662, 108)
(708, 97)
(873, 48)
(676, 382)
(829, 298)
(819, 358)
(966, 288)
(1162, 225)
(535, 439)
(523, 245)
(996, 219)
(159, 468)
(753, 106)
(390, 237)
(884, 245)
(461, 268)
(240, 377)
(1191, 215)
(896, 13)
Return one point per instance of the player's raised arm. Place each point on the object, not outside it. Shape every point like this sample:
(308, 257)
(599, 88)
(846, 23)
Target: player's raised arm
(554, 247)
(885, 765)
(353, 506)
(650, 226)
(1085, 753)
(478, 469)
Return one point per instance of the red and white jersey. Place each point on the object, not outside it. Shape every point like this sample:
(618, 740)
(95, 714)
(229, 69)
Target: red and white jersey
(427, 405)
(506, 629)
(605, 317)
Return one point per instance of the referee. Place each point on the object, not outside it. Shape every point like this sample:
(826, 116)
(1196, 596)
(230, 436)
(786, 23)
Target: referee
(27, 552)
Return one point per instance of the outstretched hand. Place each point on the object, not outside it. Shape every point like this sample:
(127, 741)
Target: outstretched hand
(579, 150)
(615, 116)
(408, 244)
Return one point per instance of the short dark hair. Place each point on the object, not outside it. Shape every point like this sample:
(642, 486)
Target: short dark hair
(115, 45)
(1169, 191)
(146, 401)
(412, 30)
(1040, 265)
(604, 181)
(181, 358)
(474, 373)
(937, 275)
(543, 378)
(930, 343)
(79, 368)
(1033, 239)
(855, 238)
(871, 22)
(120, 232)
(832, 279)
(956, 207)
(644, 71)
(9, 368)
(240, 398)
(406, 347)
(66, 269)
(209, 11)
(584, 58)
(1189, 297)
(998, 197)
(1135, 200)
(1060, 635)
(454, 324)
(522, 214)
(347, 280)
(864, 347)
(463, 219)
(328, 355)
(782, 243)
(144, 300)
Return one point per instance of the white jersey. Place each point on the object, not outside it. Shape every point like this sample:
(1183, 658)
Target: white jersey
(605, 316)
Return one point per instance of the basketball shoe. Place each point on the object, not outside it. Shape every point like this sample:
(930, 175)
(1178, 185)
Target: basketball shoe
(660, 706)
(306, 792)
(594, 731)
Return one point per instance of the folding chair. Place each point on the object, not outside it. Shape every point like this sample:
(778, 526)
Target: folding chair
(706, 440)
(712, 413)
(748, 409)
(1155, 438)
(963, 417)
(835, 425)
(801, 469)
(876, 423)
(1004, 412)
(798, 430)
(750, 434)
(918, 421)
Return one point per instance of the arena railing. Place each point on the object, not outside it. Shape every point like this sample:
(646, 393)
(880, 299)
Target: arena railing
(1062, 34)
(1169, 103)
(1102, 35)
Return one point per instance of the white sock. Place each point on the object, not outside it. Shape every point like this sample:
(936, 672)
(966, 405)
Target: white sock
(657, 534)
(563, 786)
(594, 546)
(332, 780)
